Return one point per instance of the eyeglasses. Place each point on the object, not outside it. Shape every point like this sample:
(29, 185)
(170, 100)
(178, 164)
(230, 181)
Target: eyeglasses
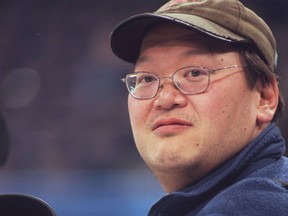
(189, 80)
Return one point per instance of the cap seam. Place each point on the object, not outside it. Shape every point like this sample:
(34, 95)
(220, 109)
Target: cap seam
(239, 15)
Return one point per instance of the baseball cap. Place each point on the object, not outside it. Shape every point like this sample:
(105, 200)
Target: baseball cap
(227, 20)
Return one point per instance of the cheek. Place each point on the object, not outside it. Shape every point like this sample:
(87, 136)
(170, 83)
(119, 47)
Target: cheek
(213, 106)
(226, 97)
(137, 111)
(231, 108)
(219, 107)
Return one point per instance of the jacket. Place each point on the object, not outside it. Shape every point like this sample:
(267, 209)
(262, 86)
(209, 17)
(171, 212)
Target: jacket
(252, 183)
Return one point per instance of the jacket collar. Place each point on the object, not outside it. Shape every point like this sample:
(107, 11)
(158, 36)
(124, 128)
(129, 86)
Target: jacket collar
(266, 148)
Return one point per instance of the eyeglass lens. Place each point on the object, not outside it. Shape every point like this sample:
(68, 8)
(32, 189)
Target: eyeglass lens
(189, 80)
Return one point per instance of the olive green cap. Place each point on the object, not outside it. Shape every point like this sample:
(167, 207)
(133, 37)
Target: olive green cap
(227, 20)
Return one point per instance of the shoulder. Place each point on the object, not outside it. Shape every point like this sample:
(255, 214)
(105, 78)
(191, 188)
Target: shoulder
(278, 170)
(252, 196)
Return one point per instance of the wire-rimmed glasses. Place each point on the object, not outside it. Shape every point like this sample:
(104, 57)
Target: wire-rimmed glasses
(189, 80)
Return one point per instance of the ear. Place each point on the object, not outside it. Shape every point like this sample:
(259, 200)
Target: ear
(269, 94)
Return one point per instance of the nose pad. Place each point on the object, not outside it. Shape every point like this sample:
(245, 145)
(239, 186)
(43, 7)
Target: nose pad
(163, 83)
(161, 86)
(169, 96)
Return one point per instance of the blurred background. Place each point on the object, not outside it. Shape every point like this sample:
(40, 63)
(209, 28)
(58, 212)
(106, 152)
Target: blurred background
(65, 107)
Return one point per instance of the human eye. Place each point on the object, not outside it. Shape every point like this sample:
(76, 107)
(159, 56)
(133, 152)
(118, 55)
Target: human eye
(194, 74)
(145, 78)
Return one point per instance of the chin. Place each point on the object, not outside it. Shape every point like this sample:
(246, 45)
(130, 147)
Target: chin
(173, 164)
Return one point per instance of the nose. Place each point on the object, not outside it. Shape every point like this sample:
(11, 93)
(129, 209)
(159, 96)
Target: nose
(169, 96)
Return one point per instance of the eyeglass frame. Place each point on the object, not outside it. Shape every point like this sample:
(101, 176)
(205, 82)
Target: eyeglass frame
(209, 71)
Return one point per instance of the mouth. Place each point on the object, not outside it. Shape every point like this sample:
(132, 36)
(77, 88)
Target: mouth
(170, 124)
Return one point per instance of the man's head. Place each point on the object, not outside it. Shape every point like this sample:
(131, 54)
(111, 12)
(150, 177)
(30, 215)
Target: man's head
(201, 89)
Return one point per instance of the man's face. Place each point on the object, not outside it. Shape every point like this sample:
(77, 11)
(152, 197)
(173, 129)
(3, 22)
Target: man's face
(191, 134)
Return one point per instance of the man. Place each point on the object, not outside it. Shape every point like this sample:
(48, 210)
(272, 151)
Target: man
(203, 104)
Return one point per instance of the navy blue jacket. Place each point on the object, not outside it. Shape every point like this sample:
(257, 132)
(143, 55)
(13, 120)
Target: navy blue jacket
(252, 183)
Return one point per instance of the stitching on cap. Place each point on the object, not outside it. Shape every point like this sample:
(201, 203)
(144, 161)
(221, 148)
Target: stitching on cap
(239, 14)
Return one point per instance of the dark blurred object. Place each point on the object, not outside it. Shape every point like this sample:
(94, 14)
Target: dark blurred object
(23, 205)
(4, 140)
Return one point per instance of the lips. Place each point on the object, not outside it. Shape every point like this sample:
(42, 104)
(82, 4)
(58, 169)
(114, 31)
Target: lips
(171, 121)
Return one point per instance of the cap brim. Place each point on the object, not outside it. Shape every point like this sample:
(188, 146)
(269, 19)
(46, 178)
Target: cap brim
(127, 37)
